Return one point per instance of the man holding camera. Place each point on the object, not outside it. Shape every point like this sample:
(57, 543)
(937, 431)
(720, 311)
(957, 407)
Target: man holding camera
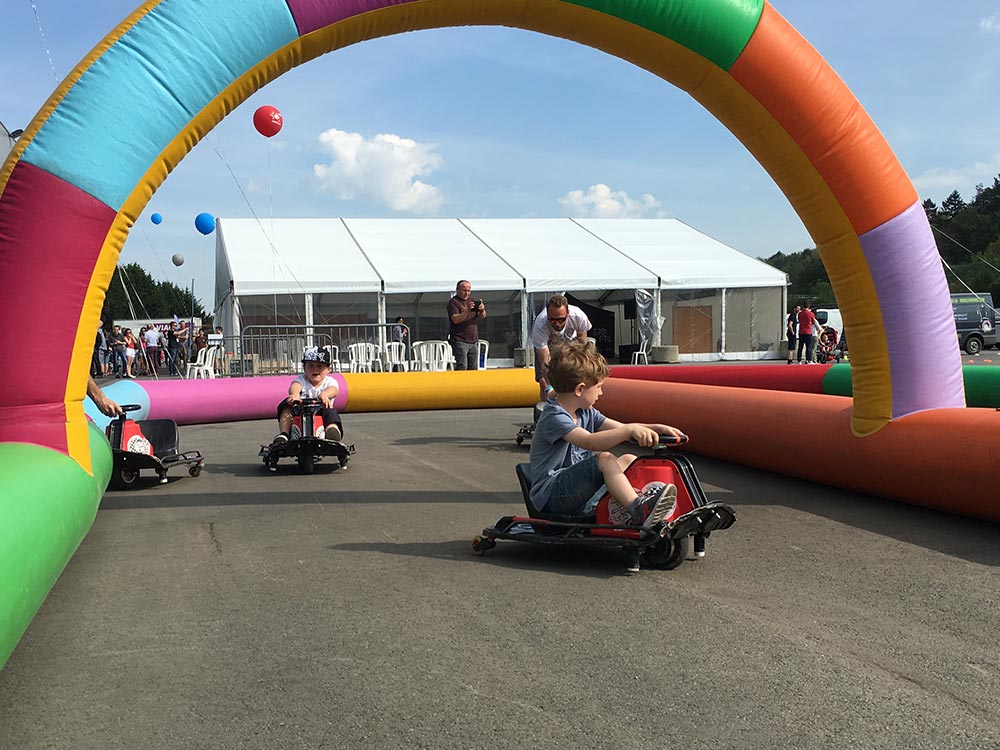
(463, 326)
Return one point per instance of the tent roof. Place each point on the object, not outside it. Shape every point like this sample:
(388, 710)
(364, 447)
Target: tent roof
(558, 254)
(293, 255)
(683, 257)
(430, 255)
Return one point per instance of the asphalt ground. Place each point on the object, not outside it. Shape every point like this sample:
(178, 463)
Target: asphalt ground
(242, 609)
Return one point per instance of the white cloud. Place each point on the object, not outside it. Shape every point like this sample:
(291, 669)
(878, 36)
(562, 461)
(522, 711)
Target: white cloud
(600, 201)
(942, 180)
(383, 169)
(990, 25)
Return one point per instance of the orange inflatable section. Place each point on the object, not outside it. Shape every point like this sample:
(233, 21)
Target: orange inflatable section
(802, 92)
(945, 459)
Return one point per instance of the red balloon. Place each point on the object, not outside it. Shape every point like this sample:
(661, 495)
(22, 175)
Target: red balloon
(267, 120)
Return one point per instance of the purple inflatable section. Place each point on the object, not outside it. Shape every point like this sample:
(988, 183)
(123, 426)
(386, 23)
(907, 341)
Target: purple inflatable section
(311, 15)
(223, 399)
(924, 362)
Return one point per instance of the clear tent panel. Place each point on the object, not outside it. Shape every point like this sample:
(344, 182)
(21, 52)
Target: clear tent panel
(753, 327)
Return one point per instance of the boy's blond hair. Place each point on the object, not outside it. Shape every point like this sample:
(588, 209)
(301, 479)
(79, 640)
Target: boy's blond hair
(576, 362)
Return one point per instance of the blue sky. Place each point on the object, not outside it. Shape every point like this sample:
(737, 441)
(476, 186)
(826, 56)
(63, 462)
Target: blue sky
(495, 122)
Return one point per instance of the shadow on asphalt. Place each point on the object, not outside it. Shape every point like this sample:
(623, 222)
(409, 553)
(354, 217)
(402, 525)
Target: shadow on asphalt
(145, 500)
(965, 538)
(582, 561)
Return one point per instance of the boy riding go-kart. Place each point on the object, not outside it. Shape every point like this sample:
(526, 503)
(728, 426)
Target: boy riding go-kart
(575, 490)
(310, 427)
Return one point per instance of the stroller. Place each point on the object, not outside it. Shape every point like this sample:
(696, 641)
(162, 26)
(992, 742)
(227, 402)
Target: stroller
(827, 349)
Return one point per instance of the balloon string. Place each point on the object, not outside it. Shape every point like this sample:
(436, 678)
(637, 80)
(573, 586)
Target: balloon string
(45, 43)
(270, 200)
(274, 250)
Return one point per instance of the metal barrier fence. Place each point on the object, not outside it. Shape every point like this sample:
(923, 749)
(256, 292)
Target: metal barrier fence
(277, 350)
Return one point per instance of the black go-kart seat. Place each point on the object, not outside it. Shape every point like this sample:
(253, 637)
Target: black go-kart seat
(523, 472)
(162, 435)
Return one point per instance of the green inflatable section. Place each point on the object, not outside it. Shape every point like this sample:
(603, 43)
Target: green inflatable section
(982, 384)
(718, 30)
(38, 536)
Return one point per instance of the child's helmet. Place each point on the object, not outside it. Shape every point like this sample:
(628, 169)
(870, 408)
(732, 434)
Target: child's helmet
(316, 354)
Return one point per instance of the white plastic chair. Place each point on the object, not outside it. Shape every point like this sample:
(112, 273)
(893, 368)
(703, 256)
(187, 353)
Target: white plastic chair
(334, 351)
(198, 363)
(207, 367)
(395, 355)
(363, 357)
(484, 354)
(437, 356)
(640, 353)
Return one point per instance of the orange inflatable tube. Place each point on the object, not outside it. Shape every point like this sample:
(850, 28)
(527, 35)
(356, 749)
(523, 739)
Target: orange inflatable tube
(946, 459)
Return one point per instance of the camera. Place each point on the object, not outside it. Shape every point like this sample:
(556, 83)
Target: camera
(479, 303)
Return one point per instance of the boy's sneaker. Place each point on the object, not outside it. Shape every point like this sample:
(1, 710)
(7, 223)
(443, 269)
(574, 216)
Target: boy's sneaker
(280, 438)
(333, 432)
(654, 503)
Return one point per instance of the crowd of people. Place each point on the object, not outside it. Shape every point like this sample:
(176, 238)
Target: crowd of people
(124, 353)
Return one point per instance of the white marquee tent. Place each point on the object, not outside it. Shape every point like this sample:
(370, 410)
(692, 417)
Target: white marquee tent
(713, 300)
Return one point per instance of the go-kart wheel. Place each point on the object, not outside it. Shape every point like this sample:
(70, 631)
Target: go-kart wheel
(344, 462)
(666, 554)
(124, 478)
(480, 544)
(307, 462)
(194, 471)
(519, 440)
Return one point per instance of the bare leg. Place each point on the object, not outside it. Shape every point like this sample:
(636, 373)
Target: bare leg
(613, 470)
(285, 420)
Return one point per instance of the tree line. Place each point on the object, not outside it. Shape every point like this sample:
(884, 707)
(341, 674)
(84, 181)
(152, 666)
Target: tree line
(149, 298)
(967, 237)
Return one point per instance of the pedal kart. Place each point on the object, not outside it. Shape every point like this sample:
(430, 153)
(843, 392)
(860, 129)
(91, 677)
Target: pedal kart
(526, 432)
(664, 546)
(308, 444)
(146, 444)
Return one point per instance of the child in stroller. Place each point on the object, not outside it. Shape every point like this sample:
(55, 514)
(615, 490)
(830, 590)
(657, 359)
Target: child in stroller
(827, 351)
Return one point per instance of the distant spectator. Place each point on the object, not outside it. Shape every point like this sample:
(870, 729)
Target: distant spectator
(118, 358)
(173, 349)
(792, 331)
(399, 331)
(807, 325)
(98, 362)
(153, 338)
(463, 326)
(130, 347)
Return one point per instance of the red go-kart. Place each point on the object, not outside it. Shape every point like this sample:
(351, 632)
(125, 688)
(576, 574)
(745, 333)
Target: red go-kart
(146, 444)
(661, 547)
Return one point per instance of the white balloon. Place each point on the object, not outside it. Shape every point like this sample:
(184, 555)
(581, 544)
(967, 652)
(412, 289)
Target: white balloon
(178, 259)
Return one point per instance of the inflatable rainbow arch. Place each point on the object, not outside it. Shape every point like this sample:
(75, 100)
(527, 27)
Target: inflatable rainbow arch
(125, 117)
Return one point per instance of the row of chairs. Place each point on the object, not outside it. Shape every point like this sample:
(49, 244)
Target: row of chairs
(428, 356)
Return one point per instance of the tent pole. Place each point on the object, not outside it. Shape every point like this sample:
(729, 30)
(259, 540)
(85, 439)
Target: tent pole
(722, 337)
(310, 320)
(381, 321)
(526, 321)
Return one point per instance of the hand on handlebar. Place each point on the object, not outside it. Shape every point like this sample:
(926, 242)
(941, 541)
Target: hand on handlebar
(643, 435)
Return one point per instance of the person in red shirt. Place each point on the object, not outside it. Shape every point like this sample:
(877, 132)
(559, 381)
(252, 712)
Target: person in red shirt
(807, 326)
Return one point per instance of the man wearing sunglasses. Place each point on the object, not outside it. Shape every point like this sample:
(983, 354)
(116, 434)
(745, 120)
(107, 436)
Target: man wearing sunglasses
(559, 321)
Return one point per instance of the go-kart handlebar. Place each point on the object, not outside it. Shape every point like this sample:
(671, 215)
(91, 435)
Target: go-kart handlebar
(673, 439)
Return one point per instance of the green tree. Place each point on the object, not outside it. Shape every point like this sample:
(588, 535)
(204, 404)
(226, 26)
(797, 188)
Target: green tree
(150, 298)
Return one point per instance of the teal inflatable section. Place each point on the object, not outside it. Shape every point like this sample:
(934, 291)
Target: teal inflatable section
(39, 535)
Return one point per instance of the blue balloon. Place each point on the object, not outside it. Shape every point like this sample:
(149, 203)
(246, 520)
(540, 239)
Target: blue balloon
(204, 223)
(156, 218)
